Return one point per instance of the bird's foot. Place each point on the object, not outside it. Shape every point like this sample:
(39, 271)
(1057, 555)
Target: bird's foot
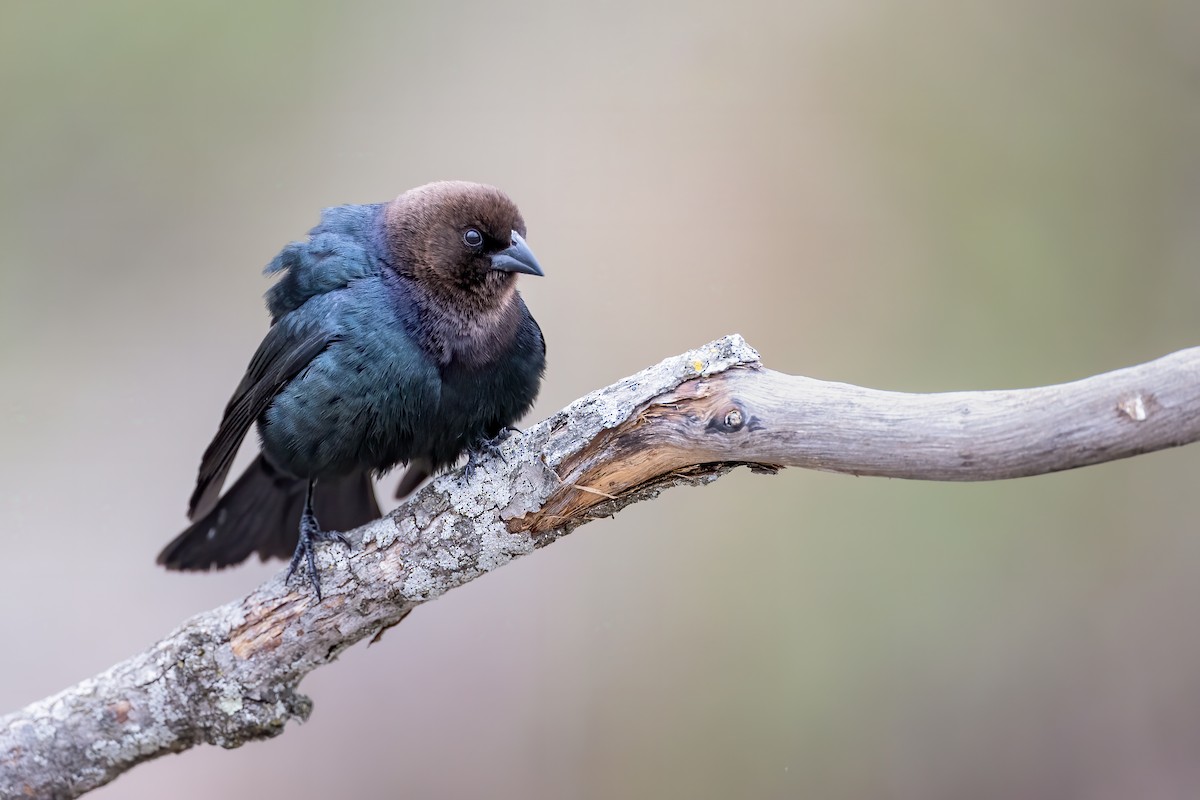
(488, 447)
(310, 534)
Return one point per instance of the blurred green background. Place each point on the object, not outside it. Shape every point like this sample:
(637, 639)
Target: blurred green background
(924, 196)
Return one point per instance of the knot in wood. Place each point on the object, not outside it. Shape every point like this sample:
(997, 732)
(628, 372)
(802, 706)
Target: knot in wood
(733, 420)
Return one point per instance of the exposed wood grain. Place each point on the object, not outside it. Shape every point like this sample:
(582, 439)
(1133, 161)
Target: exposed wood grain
(751, 415)
(229, 676)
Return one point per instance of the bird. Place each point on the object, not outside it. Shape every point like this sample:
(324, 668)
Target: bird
(397, 337)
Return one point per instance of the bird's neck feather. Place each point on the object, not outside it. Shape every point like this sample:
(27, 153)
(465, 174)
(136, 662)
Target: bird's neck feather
(473, 333)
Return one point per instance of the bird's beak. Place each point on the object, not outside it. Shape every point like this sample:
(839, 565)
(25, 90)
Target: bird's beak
(517, 258)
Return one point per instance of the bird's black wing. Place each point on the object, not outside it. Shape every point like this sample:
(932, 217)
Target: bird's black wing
(287, 349)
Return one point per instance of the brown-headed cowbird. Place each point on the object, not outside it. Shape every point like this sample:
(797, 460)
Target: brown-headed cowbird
(397, 336)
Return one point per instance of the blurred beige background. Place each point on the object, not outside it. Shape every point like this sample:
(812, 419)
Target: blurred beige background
(923, 196)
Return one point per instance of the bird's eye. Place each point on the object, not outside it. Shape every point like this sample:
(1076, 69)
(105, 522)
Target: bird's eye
(472, 238)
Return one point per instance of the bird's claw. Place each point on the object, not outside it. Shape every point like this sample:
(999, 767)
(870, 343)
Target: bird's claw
(504, 433)
(310, 534)
(473, 459)
(486, 448)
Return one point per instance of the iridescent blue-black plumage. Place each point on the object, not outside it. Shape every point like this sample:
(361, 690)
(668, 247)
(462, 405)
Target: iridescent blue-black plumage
(397, 337)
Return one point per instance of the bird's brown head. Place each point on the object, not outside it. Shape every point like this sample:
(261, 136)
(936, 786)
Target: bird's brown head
(464, 241)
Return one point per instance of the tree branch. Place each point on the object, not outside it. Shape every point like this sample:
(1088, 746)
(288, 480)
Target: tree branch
(229, 676)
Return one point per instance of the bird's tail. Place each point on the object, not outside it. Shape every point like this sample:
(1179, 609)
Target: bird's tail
(418, 470)
(260, 514)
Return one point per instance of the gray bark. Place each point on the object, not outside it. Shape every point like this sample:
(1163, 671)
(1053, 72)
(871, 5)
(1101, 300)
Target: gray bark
(229, 676)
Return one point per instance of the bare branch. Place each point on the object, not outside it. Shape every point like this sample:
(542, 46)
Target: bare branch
(229, 676)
